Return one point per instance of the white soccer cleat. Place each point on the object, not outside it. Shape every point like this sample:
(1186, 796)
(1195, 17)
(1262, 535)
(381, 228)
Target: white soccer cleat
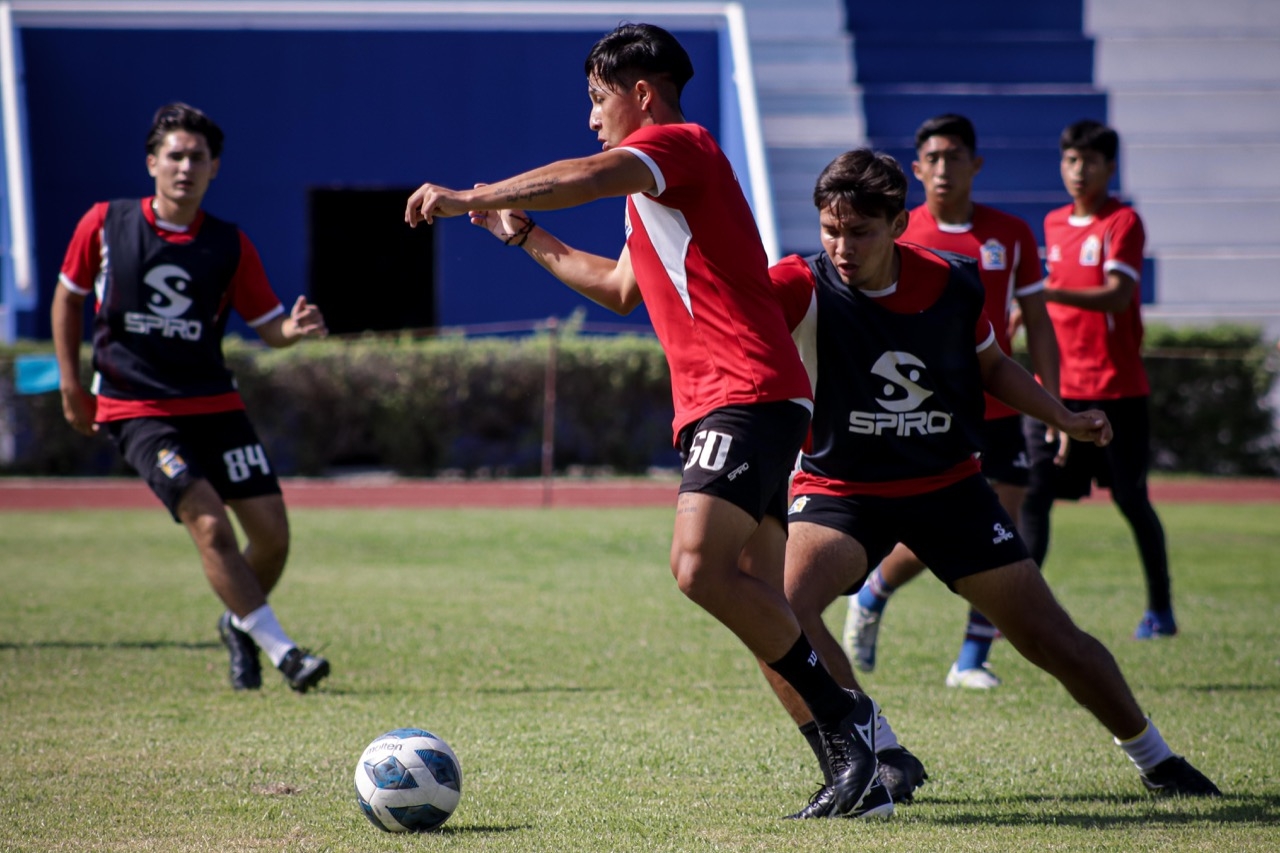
(979, 678)
(861, 628)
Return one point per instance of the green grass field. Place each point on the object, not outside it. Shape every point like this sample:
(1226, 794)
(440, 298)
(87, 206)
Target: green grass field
(591, 706)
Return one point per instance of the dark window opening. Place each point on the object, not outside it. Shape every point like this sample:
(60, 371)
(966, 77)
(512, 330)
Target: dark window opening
(369, 270)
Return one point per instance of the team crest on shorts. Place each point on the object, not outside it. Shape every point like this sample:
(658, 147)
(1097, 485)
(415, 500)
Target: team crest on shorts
(170, 463)
(798, 505)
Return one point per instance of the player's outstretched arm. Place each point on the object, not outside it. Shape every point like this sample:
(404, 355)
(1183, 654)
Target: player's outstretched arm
(78, 406)
(303, 321)
(1008, 382)
(1114, 296)
(604, 281)
(565, 183)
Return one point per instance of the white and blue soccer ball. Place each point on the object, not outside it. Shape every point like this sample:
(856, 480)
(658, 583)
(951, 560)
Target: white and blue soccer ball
(408, 780)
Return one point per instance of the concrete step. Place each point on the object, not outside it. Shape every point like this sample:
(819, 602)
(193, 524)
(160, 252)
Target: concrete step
(802, 163)
(1243, 278)
(1129, 63)
(789, 19)
(1244, 115)
(1238, 223)
(1241, 168)
(844, 130)
(1180, 17)
(790, 65)
(829, 100)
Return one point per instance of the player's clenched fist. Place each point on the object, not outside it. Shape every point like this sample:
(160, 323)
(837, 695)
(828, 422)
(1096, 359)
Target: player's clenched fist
(1090, 425)
(429, 201)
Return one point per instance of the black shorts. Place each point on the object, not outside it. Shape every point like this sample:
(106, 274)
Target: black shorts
(1004, 457)
(1122, 464)
(173, 453)
(957, 531)
(745, 455)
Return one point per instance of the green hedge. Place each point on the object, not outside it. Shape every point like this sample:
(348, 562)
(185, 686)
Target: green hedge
(468, 406)
(418, 407)
(1211, 407)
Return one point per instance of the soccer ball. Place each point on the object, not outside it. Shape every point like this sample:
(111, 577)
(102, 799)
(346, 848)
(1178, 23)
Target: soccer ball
(408, 780)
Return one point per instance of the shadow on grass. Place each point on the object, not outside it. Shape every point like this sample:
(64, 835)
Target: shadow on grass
(1247, 687)
(478, 830)
(121, 644)
(545, 688)
(337, 690)
(1229, 809)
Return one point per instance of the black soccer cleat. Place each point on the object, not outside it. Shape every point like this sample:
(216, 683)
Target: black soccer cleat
(302, 669)
(246, 670)
(877, 803)
(1175, 777)
(821, 804)
(851, 754)
(901, 773)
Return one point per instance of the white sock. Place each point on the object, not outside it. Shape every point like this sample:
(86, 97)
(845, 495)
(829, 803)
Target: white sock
(1147, 749)
(885, 736)
(265, 629)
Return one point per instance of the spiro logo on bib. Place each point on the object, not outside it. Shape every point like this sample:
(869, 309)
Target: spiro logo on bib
(166, 305)
(902, 398)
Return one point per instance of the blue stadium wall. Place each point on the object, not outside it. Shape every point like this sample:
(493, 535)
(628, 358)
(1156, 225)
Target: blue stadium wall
(327, 109)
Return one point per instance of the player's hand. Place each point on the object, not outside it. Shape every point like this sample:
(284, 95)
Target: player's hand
(429, 201)
(305, 321)
(504, 224)
(79, 409)
(1055, 436)
(1015, 321)
(1090, 425)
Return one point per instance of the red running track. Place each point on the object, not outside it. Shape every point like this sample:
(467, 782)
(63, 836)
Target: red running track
(33, 494)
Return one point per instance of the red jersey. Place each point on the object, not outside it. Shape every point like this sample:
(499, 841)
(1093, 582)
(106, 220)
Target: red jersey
(88, 268)
(889, 434)
(1101, 355)
(1008, 263)
(703, 274)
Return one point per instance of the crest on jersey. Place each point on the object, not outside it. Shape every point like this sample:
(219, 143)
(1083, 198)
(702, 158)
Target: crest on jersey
(993, 255)
(170, 463)
(1055, 254)
(1091, 251)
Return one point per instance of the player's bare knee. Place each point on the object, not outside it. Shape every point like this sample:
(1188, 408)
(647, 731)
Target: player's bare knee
(270, 548)
(212, 533)
(686, 568)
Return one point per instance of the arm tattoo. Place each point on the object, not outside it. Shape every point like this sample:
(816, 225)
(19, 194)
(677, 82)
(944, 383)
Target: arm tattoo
(526, 192)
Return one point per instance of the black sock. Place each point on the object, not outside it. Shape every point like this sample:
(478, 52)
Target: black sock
(810, 732)
(803, 670)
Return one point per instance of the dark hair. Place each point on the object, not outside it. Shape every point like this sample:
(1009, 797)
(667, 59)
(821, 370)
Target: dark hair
(635, 51)
(180, 116)
(1090, 135)
(948, 124)
(868, 182)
